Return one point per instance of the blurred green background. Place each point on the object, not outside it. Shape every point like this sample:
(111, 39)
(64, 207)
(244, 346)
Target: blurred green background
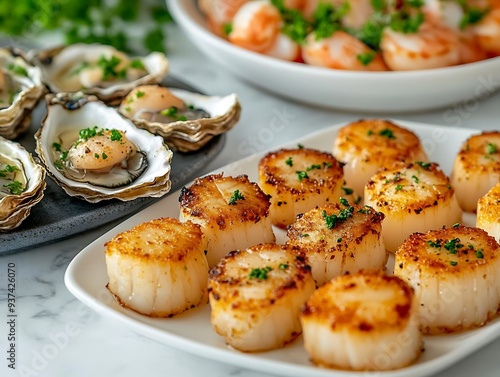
(128, 25)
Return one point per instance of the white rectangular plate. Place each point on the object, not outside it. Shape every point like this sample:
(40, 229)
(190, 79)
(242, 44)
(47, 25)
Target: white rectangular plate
(192, 332)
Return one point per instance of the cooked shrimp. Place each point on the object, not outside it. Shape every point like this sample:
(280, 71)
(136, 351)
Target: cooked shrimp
(256, 295)
(256, 26)
(369, 144)
(339, 239)
(158, 268)
(456, 276)
(149, 98)
(433, 46)
(414, 197)
(297, 180)
(488, 32)
(476, 168)
(100, 152)
(341, 51)
(233, 213)
(364, 321)
(220, 13)
(359, 11)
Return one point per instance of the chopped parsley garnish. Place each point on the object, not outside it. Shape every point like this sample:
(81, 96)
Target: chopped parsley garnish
(332, 220)
(453, 245)
(415, 178)
(327, 18)
(139, 94)
(453, 263)
(327, 165)
(472, 16)
(301, 175)
(57, 147)
(347, 190)
(366, 58)
(425, 165)
(259, 273)
(436, 244)
(227, 28)
(387, 133)
(96, 155)
(300, 146)
(399, 187)
(137, 64)
(339, 239)
(479, 254)
(369, 132)
(313, 166)
(109, 67)
(8, 169)
(491, 148)
(15, 187)
(283, 266)
(294, 23)
(116, 135)
(173, 113)
(237, 195)
(344, 202)
(405, 23)
(104, 156)
(17, 70)
(88, 133)
(289, 161)
(456, 225)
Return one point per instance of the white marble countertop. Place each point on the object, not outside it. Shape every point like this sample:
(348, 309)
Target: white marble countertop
(58, 336)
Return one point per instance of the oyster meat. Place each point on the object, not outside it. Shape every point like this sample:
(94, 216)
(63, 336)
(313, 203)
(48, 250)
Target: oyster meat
(22, 184)
(95, 154)
(21, 88)
(187, 121)
(98, 69)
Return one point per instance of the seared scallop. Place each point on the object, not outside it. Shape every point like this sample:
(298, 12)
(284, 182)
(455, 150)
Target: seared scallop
(476, 168)
(232, 211)
(364, 321)
(488, 212)
(158, 268)
(415, 197)
(298, 180)
(256, 295)
(369, 144)
(456, 276)
(339, 239)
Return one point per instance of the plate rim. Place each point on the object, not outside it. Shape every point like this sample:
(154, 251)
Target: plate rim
(488, 333)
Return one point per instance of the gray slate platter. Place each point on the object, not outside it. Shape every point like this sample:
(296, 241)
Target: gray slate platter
(60, 216)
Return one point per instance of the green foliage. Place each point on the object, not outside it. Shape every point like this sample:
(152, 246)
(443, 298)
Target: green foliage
(97, 21)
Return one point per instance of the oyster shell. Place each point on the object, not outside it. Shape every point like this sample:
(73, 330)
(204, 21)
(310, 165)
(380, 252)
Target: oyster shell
(21, 88)
(186, 120)
(98, 69)
(95, 154)
(22, 184)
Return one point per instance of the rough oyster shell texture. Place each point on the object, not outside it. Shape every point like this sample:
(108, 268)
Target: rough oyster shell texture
(188, 135)
(63, 66)
(14, 208)
(72, 112)
(21, 82)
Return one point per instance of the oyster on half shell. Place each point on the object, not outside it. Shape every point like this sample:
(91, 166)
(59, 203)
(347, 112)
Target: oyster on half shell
(21, 88)
(22, 184)
(95, 154)
(186, 120)
(98, 69)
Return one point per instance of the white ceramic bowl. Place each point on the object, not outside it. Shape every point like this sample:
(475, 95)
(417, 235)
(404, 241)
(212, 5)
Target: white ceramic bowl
(346, 90)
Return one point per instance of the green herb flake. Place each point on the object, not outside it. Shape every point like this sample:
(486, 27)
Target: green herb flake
(227, 28)
(479, 253)
(472, 16)
(237, 195)
(399, 187)
(366, 58)
(284, 266)
(300, 146)
(456, 225)
(415, 178)
(302, 175)
(370, 132)
(453, 245)
(424, 165)
(436, 244)
(491, 148)
(332, 220)
(57, 146)
(137, 64)
(312, 167)
(96, 155)
(259, 273)
(339, 239)
(116, 135)
(104, 156)
(387, 133)
(109, 66)
(289, 161)
(15, 187)
(453, 263)
(327, 165)
(140, 94)
(347, 190)
(344, 202)
(18, 70)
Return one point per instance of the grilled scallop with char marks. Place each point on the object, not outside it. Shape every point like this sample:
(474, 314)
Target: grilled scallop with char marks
(364, 321)
(232, 211)
(339, 239)
(299, 180)
(256, 296)
(456, 276)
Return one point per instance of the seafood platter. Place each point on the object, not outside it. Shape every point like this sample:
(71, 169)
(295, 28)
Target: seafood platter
(339, 54)
(89, 134)
(353, 251)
